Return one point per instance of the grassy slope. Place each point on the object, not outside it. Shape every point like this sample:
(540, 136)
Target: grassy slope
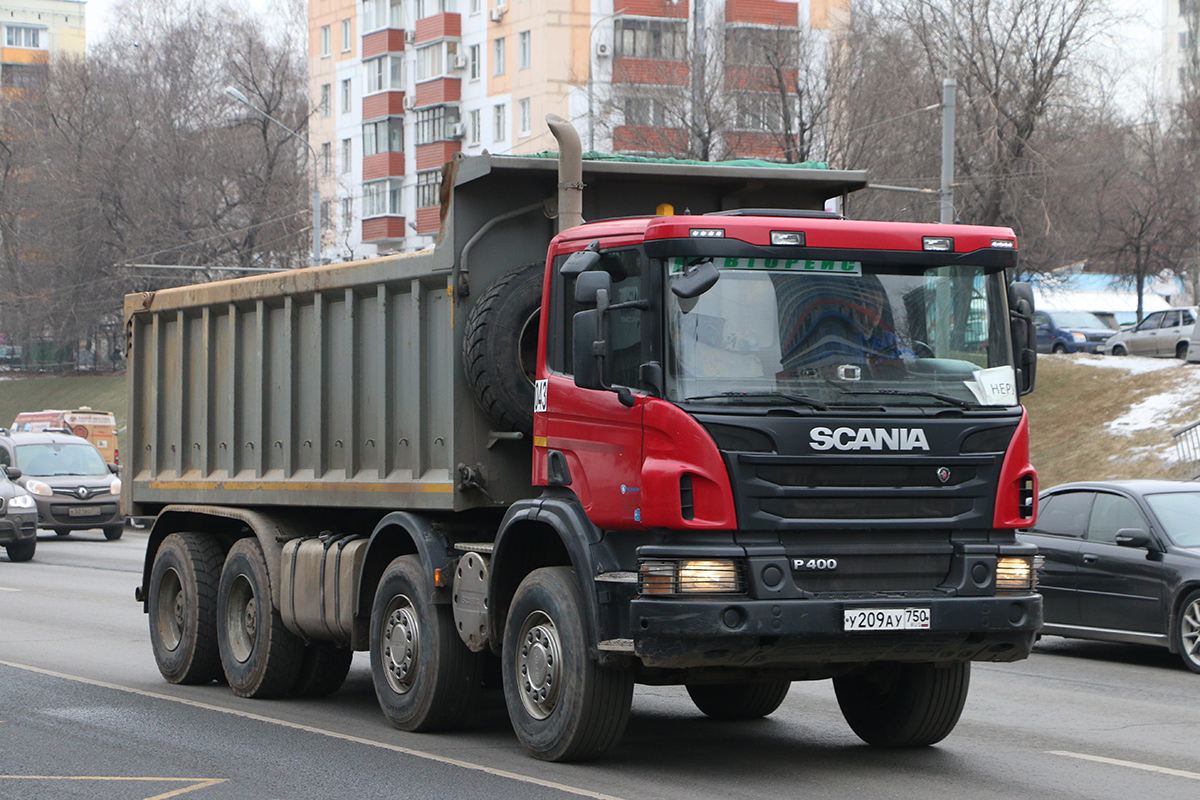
(101, 392)
(1068, 415)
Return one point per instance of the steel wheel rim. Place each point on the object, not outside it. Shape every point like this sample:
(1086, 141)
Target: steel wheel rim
(539, 665)
(169, 614)
(1189, 631)
(241, 619)
(401, 644)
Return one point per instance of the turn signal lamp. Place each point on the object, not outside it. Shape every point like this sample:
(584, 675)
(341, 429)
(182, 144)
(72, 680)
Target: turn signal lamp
(707, 233)
(1016, 573)
(700, 576)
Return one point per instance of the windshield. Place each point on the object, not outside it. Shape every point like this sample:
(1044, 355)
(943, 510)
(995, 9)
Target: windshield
(1078, 319)
(60, 458)
(1178, 512)
(842, 333)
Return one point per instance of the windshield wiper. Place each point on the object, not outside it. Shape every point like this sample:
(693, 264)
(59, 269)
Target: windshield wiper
(945, 398)
(794, 398)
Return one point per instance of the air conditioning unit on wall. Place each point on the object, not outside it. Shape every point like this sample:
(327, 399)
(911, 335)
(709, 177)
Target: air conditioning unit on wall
(603, 50)
(497, 13)
(410, 37)
(409, 102)
(460, 62)
(458, 130)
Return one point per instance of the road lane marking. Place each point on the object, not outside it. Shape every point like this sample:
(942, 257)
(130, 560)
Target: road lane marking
(500, 773)
(198, 783)
(8, 589)
(1178, 773)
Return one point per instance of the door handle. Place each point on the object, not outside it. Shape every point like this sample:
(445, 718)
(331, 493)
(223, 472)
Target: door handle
(1090, 558)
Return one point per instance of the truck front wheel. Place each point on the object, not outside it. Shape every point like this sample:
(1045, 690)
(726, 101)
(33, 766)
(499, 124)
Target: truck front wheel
(563, 705)
(730, 701)
(425, 677)
(903, 705)
(183, 608)
(261, 657)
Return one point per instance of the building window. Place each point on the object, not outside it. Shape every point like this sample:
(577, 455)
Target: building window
(427, 8)
(326, 90)
(432, 60)
(326, 159)
(434, 124)
(384, 73)
(347, 155)
(23, 36)
(384, 136)
(651, 38)
(476, 62)
(759, 111)
(347, 36)
(375, 197)
(381, 14)
(524, 117)
(646, 112)
(475, 6)
(347, 99)
(428, 186)
(347, 213)
(524, 50)
(498, 56)
(474, 127)
(326, 43)
(326, 215)
(499, 121)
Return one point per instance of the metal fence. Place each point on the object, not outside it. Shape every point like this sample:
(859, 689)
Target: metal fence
(101, 349)
(1187, 443)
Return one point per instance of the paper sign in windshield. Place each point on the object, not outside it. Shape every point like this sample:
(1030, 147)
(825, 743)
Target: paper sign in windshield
(994, 387)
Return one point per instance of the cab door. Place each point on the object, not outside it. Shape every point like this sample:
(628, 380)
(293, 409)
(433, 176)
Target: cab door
(591, 432)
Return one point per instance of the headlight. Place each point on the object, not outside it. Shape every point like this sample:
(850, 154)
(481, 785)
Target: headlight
(38, 488)
(1017, 574)
(1079, 337)
(115, 486)
(22, 501)
(700, 576)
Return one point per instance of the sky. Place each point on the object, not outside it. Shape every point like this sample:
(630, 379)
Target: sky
(99, 14)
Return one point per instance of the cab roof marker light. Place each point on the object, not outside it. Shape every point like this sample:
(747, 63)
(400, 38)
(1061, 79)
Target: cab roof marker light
(707, 233)
(1003, 244)
(941, 244)
(793, 238)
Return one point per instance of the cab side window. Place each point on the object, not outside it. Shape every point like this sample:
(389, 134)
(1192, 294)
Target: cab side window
(1111, 513)
(5, 458)
(625, 269)
(1064, 514)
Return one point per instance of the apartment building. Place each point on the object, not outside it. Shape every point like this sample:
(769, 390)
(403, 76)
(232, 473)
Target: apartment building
(32, 31)
(400, 86)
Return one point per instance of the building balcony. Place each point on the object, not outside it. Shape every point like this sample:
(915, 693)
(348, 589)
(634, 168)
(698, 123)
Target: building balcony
(763, 12)
(376, 43)
(382, 104)
(650, 71)
(434, 154)
(438, 91)
(758, 79)
(383, 229)
(656, 8)
(755, 144)
(383, 165)
(648, 139)
(438, 26)
(429, 220)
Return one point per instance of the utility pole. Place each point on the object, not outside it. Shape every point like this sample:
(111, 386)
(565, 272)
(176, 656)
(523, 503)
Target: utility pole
(949, 90)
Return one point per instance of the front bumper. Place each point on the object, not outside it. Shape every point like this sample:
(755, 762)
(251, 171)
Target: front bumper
(737, 631)
(17, 528)
(55, 512)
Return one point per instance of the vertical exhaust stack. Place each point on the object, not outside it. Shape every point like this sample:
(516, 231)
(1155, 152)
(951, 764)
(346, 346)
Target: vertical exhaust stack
(570, 172)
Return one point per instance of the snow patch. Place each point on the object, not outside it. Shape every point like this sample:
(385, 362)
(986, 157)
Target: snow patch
(1134, 365)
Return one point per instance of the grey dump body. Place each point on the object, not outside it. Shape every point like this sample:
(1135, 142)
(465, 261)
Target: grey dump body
(341, 386)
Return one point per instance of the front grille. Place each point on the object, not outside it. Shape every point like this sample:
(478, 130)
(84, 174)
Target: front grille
(846, 563)
(855, 476)
(829, 508)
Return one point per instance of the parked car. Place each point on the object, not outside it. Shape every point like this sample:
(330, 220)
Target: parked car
(1070, 332)
(1122, 563)
(73, 487)
(1161, 333)
(18, 517)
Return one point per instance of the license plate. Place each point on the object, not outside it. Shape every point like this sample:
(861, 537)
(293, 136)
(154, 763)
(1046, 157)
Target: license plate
(83, 511)
(885, 619)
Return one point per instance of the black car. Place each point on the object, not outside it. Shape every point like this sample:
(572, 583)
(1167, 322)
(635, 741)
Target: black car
(1122, 563)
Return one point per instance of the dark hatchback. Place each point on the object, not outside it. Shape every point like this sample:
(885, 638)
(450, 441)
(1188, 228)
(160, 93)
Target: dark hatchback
(1122, 563)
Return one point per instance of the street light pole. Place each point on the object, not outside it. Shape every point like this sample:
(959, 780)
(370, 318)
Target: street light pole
(591, 56)
(315, 258)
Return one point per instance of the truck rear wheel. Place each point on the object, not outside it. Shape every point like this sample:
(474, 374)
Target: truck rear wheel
(260, 657)
(183, 608)
(500, 347)
(323, 670)
(563, 705)
(731, 701)
(425, 677)
(903, 705)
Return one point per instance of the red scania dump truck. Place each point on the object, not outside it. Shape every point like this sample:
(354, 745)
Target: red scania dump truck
(730, 448)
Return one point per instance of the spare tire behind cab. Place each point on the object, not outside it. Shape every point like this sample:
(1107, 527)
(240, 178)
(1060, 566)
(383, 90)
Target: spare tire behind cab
(500, 347)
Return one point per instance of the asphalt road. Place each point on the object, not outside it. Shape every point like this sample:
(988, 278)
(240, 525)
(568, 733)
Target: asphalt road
(84, 713)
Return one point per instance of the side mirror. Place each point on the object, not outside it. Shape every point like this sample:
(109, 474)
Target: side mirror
(115, 469)
(1133, 537)
(12, 472)
(582, 260)
(695, 280)
(590, 339)
(585, 340)
(588, 288)
(1024, 337)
